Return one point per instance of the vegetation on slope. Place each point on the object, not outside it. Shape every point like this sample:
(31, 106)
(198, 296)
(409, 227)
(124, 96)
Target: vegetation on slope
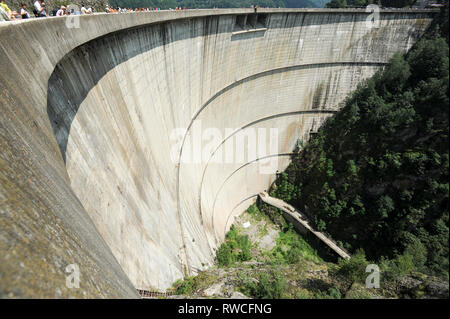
(375, 178)
(99, 5)
(236, 248)
(364, 3)
(376, 175)
(263, 260)
(203, 4)
(286, 266)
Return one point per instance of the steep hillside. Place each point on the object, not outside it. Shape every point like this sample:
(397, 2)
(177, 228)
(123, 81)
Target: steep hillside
(261, 259)
(99, 5)
(264, 257)
(218, 3)
(375, 178)
(376, 175)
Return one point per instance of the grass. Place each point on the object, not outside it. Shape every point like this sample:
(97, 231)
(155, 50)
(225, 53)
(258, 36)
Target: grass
(263, 231)
(291, 247)
(292, 269)
(192, 284)
(267, 286)
(236, 248)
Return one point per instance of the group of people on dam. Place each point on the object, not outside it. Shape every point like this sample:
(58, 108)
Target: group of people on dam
(40, 10)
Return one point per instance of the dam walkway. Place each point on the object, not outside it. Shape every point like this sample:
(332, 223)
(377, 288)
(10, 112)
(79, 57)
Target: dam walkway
(150, 294)
(303, 220)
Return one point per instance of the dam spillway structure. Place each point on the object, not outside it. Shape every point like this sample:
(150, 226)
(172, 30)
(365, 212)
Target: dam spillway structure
(102, 123)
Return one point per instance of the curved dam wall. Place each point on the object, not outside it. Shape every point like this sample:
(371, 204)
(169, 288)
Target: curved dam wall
(129, 144)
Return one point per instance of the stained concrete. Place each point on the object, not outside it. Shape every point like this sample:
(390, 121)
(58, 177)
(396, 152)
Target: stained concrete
(89, 171)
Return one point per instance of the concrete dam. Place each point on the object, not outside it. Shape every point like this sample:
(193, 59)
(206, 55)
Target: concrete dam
(116, 132)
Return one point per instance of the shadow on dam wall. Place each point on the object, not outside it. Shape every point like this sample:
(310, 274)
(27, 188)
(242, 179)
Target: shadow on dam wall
(68, 70)
(78, 66)
(143, 222)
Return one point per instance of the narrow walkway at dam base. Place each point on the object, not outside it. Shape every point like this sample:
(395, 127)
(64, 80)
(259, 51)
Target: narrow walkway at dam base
(303, 220)
(147, 294)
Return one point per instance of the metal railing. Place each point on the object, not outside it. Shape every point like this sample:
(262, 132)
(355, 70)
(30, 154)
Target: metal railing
(151, 294)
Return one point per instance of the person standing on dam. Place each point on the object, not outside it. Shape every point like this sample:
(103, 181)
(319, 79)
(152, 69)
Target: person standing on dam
(61, 12)
(85, 10)
(39, 10)
(23, 11)
(9, 13)
(3, 15)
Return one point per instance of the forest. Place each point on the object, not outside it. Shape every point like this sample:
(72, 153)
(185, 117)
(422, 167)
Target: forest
(376, 176)
(364, 3)
(200, 4)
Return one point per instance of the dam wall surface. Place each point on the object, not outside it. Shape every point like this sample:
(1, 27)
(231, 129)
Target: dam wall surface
(131, 141)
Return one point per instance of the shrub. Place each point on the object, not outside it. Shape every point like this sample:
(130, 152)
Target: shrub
(291, 247)
(334, 293)
(224, 255)
(184, 287)
(350, 271)
(267, 287)
(236, 248)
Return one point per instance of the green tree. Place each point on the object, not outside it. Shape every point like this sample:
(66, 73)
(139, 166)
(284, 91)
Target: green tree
(376, 174)
(350, 271)
(267, 286)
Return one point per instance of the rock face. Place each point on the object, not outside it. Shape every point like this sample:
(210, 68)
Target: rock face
(99, 132)
(415, 286)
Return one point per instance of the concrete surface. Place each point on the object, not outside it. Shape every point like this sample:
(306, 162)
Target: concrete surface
(90, 173)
